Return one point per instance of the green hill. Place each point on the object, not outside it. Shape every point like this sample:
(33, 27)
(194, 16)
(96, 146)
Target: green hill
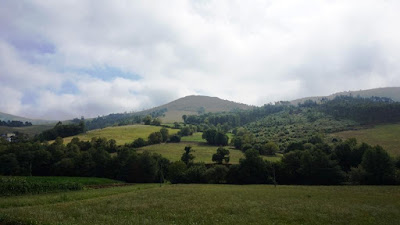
(194, 105)
(388, 92)
(6, 117)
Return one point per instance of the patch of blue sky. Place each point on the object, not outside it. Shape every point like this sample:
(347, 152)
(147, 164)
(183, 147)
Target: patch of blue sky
(29, 98)
(32, 44)
(106, 73)
(67, 88)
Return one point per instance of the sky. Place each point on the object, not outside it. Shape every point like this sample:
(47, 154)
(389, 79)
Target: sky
(67, 59)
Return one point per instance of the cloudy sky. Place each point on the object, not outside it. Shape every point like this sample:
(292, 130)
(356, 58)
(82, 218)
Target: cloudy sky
(65, 59)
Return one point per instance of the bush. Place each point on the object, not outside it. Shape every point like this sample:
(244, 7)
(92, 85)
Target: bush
(196, 174)
(175, 139)
(140, 142)
(176, 172)
(217, 174)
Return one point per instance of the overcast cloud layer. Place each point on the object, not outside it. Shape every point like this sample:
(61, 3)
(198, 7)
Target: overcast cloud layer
(64, 59)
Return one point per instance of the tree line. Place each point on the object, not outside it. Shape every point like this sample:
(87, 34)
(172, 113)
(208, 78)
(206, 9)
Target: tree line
(15, 123)
(312, 163)
(363, 110)
(61, 130)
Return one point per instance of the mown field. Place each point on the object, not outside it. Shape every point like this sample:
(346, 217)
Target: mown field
(202, 152)
(388, 136)
(121, 134)
(209, 204)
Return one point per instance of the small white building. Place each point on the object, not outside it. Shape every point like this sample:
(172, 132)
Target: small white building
(9, 136)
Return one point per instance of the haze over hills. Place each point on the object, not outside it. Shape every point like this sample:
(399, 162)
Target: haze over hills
(6, 117)
(389, 92)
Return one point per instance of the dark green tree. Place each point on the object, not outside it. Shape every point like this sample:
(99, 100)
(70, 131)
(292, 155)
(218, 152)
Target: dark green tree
(378, 166)
(187, 156)
(164, 133)
(155, 138)
(221, 155)
(147, 120)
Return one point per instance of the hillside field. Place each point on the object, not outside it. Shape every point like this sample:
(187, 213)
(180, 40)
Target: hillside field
(30, 130)
(202, 152)
(208, 204)
(387, 136)
(121, 134)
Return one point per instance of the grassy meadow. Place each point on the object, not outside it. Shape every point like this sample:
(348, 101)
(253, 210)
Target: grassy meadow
(387, 136)
(208, 204)
(196, 137)
(121, 134)
(202, 152)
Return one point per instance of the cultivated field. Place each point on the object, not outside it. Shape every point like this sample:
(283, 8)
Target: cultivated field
(19, 185)
(209, 204)
(202, 152)
(122, 134)
(388, 136)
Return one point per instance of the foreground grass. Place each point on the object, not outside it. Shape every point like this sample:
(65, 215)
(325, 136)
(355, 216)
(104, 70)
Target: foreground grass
(80, 180)
(386, 136)
(121, 134)
(210, 204)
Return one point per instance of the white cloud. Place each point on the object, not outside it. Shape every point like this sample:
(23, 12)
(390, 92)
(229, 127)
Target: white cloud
(253, 52)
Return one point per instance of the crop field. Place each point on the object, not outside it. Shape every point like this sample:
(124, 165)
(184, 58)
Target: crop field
(202, 152)
(387, 136)
(208, 204)
(121, 134)
(19, 185)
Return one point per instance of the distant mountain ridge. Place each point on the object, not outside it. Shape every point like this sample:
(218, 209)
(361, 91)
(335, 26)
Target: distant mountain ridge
(389, 92)
(6, 117)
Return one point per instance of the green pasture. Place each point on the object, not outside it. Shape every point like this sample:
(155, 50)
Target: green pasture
(121, 134)
(196, 137)
(208, 204)
(387, 136)
(202, 152)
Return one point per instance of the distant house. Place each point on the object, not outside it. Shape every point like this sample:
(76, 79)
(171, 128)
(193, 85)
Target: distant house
(10, 136)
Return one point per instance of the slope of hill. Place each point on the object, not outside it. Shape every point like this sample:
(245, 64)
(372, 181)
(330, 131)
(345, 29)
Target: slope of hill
(170, 112)
(6, 117)
(386, 135)
(31, 131)
(196, 104)
(389, 92)
(121, 134)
